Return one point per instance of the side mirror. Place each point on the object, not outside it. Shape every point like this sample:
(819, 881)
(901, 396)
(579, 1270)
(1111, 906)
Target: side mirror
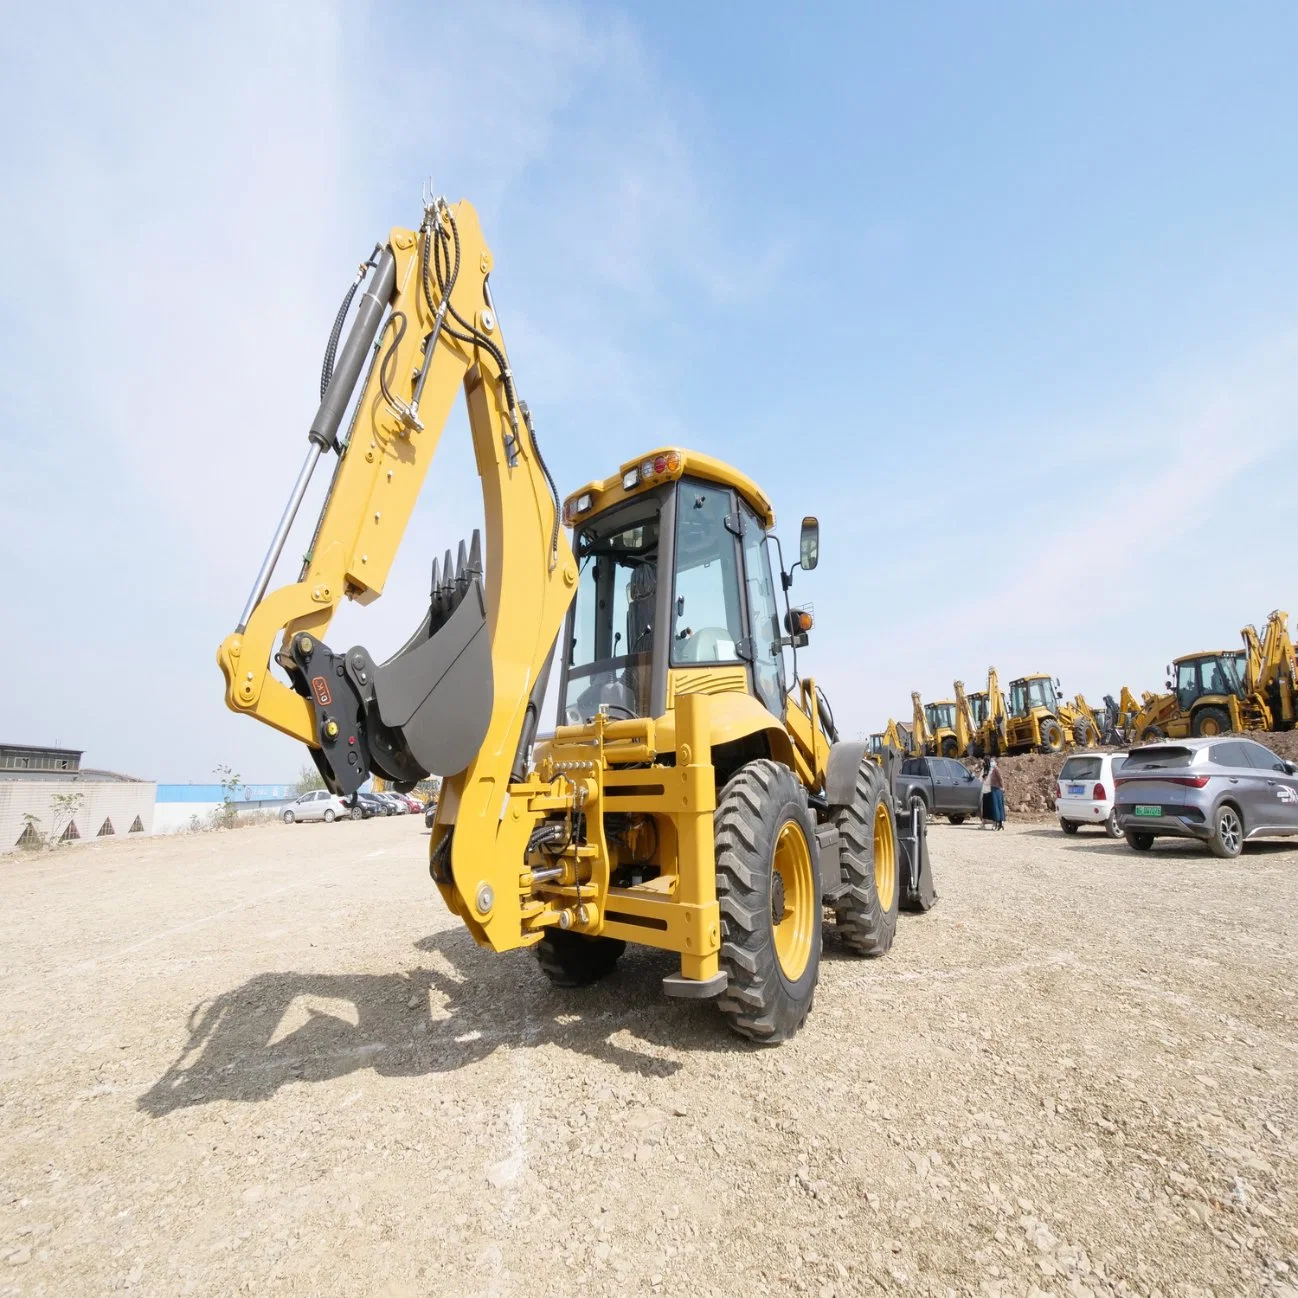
(1167, 684)
(1291, 768)
(1167, 671)
(809, 544)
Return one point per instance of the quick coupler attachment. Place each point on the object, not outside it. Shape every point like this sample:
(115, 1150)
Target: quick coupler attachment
(320, 676)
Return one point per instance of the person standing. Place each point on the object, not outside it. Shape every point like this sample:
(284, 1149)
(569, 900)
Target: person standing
(996, 783)
(985, 805)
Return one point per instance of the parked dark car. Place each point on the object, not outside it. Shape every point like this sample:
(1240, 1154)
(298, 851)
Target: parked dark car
(941, 784)
(369, 804)
(430, 812)
(1222, 791)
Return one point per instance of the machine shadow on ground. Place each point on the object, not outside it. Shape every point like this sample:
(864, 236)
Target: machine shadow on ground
(457, 1010)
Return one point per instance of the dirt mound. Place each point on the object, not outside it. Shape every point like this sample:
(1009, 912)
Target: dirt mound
(1031, 779)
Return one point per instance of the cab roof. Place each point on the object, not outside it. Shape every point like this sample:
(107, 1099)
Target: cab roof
(666, 464)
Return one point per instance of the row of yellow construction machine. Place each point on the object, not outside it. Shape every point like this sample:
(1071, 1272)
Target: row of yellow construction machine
(1216, 691)
(986, 723)
(1208, 693)
(694, 795)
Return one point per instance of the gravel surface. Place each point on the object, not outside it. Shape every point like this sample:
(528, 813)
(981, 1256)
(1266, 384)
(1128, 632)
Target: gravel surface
(267, 1061)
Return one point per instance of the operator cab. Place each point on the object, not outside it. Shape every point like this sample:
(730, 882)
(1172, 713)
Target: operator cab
(1216, 674)
(940, 716)
(1032, 692)
(978, 709)
(675, 578)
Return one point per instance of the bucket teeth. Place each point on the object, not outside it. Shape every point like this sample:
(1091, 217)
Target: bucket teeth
(436, 582)
(475, 554)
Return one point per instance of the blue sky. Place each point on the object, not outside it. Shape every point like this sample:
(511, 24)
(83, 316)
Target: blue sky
(1007, 295)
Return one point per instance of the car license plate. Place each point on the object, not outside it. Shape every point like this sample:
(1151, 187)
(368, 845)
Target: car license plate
(1149, 811)
(1076, 790)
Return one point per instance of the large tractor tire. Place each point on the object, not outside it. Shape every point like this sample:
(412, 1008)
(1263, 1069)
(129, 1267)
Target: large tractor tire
(769, 894)
(1052, 735)
(949, 747)
(1152, 734)
(1210, 721)
(867, 915)
(575, 960)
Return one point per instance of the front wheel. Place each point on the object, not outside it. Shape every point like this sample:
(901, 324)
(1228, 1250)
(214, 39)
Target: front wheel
(575, 960)
(769, 896)
(356, 814)
(288, 817)
(1068, 826)
(867, 916)
(1210, 721)
(1052, 736)
(956, 820)
(329, 816)
(1227, 839)
(950, 748)
(1140, 839)
(1111, 826)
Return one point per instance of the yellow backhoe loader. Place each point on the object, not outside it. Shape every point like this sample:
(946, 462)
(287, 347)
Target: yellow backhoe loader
(966, 729)
(921, 739)
(1088, 724)
(1213, 692)
(693, 797)
(990, 716)
(943, 724)
(1120, 716)
(894, 737)
(1038, 722)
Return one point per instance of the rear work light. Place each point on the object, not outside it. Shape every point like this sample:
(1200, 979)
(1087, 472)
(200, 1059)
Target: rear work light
(1060, 789)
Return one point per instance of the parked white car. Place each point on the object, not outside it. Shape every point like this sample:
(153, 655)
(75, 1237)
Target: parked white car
(1085, 792)
(319, 804)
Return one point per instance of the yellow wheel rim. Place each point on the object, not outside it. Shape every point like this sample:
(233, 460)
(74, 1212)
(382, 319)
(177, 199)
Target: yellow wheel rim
(1209, 726)
(885, 857)
(795, 913)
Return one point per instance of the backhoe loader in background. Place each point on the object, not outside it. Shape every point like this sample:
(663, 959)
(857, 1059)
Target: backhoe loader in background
(1120, 717)
(921, 738)
(895, 737)
(1037, 722)
(966, 729)
(944, 729)
(991, 718)
(1088, 724)
(1214, 692)
(694, 797)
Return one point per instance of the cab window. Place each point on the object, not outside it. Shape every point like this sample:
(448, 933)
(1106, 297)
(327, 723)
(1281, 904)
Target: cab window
(707, 623)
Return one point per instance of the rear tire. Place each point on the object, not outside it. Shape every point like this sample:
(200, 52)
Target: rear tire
(288, 817)
(1068, 826)
(766, 860)
(950, 748)
(329, 816)
(1052, 735)
(1152, 734)
(1140, 839)
(1111, 826)
(575, 960)
(356, 814)
(1210, 721)
(1227, 840)
(956, 820)
(867, 915)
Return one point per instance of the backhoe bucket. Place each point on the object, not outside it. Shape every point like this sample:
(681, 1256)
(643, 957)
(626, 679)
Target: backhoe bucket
(435, 694)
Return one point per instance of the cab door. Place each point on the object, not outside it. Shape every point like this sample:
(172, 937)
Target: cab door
(767, 659)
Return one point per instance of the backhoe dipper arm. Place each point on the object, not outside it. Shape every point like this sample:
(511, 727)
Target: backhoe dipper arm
(460, 697)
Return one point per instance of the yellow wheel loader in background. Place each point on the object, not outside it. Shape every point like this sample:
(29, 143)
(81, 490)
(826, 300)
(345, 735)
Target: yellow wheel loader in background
(1212, 693)
(693, 797)
(943, 722)
(1037, 722)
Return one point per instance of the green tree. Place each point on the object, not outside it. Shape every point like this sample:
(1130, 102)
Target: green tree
(308, 778)
(66, 806)
(227, 814)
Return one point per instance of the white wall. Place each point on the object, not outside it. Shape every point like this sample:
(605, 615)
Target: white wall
(115, 800)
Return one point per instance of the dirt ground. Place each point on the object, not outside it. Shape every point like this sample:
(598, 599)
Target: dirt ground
(267, 1061)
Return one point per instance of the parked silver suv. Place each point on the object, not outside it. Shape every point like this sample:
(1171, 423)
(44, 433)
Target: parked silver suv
(1222, 790)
